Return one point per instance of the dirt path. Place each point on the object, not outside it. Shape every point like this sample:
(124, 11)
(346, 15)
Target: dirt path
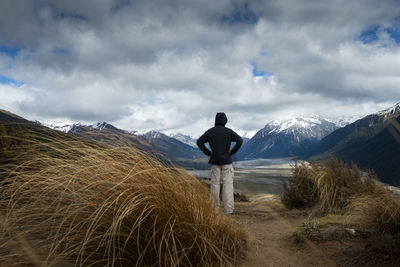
(271, 229)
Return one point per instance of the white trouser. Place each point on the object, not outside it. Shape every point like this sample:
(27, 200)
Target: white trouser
(222, 173)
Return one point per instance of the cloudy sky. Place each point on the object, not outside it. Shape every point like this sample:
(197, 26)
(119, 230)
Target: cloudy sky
(170, 65)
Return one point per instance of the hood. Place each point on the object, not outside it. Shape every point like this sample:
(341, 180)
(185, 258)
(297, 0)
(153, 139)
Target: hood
(220, 119)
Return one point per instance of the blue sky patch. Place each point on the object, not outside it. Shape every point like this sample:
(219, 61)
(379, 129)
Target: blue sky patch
(394, 34)
(241, 14)
(257, 72)
(8, 81)
(370, 35)
(11, 51)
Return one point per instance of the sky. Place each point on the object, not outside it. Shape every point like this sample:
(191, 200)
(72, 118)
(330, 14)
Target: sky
(170, 65)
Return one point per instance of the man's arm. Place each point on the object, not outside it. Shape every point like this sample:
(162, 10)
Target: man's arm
(236, 138)
(200, 143)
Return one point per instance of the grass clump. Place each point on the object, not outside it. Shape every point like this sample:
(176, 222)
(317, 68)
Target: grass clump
(379, 212)
(329, 187)
(96, 205)
(312, 225)
(309, 226)
(301, 190)
(379, 215)
(346, 204)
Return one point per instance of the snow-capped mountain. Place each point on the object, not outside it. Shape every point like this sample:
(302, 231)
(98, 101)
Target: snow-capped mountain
(357, 132)
(65, 128)
(154, 135)
(173, 147)
(153, 142)
(345, 120)
(390, 111)
(71, 128)
(283, 138)
(186, 139)
(311, 127)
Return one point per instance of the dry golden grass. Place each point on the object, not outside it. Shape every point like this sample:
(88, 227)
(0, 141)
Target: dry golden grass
(301, 190)
(378, 212)
(329, 187)
(338, 182)
(72, 203)
(340, 196)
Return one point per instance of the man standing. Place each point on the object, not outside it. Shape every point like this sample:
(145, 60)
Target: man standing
(219, 138)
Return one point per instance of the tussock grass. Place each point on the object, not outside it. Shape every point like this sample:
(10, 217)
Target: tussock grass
(329, 187)
(68, 202)
(301, 190)
(378, 212)
(344, 203)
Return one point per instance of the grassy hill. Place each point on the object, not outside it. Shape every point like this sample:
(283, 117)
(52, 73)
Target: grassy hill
(66, 200)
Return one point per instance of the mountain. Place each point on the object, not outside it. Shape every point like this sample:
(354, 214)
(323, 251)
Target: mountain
(107, 133)
(165, 148)
(373, 142)
(289, 137)
(171, 146)
(356, 133)
(186, 139)
(16, 131)
(8, 117)
(17, 135)
(245, 140)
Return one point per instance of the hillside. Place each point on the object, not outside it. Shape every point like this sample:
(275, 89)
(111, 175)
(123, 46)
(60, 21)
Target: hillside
(19, 132)
(380, 153)
(67, 200)
(166, 149)
(8, 117)
(371, 142)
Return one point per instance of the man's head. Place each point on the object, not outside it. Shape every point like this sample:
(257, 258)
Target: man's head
(220, 119)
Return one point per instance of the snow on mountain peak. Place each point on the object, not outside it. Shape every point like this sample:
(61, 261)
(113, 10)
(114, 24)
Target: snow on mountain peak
(153, 134)
(390, 111)
(61, 127)
(99, 125)
(301, 127)
(278, 126)
(68, 127)
(186, 139)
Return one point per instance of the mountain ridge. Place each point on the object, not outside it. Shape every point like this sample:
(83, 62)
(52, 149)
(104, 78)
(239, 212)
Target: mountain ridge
(373, 142)
(284, 138)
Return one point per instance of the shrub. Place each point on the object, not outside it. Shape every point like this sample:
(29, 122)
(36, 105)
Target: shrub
(80, 204)
(328, 186)
(301, 190)
(338, 182)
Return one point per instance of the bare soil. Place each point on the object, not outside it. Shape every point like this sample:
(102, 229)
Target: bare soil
(273, 241)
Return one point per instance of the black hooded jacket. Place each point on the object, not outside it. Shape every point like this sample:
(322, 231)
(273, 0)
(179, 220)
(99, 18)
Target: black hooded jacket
(219, 137)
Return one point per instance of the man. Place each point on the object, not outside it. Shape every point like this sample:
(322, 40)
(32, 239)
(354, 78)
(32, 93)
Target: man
(219, 138)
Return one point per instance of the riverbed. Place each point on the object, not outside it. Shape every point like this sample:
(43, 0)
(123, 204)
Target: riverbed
(258, 177)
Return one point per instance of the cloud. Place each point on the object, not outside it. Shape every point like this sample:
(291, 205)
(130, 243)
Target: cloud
(171, 65)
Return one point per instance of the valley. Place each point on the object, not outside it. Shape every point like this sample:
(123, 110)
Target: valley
(257, 178)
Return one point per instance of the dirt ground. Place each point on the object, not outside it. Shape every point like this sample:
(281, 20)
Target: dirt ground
(272, 241)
